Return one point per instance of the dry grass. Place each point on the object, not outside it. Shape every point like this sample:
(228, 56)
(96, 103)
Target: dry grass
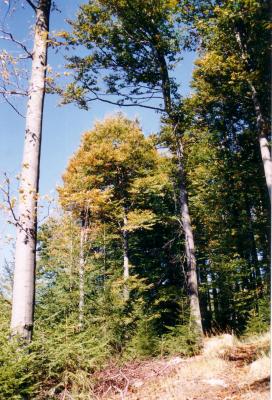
(259, 369)
(213, 375)
(187, 381)
(216, 345)
(227, 369)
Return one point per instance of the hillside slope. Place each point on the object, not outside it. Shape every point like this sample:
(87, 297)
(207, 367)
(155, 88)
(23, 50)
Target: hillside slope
(226, 370)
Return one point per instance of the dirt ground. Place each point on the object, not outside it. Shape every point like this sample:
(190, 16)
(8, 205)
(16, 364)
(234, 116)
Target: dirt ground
(225, 371)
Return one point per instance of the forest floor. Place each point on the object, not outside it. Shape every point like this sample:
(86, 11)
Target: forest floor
(227, 369)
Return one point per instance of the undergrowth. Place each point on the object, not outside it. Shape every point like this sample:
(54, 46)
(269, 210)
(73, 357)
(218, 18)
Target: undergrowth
(62, 357)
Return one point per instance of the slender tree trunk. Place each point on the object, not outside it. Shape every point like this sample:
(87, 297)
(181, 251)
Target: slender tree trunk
(192, 281)
(257, 279)
(183, 197)
(214, 299)
(191, 261)
(209, 310)
(205, 303)
(104, 258)
(25, 254)
(125, 255)
(81, 275)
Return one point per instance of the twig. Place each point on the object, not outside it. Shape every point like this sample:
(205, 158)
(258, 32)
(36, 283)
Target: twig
(12, 106)
(11, 37)
(136, 104)
(8, 200)
(127, 385)
(125, 104)
(47, 214)
(12, 92)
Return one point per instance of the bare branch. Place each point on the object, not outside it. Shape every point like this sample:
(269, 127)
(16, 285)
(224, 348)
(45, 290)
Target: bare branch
(16, 221)
(12, 92)
(8, 199)
(12, 105)
(9, 36)
(47, 215)
(32, 5)
(96, 97)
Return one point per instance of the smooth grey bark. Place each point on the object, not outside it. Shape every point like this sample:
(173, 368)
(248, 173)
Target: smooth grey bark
(192, 281)
(125, 257)
(25, 253)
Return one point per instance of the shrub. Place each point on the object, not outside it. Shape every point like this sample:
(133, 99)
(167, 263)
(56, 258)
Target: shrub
(18, 379)
(180, 340)
(259, 318)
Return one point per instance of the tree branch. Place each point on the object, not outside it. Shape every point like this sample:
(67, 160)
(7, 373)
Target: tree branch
(11, 37)
(124, 104)
(9, 201)
(12, 106)
(12, 92)
(32, 5)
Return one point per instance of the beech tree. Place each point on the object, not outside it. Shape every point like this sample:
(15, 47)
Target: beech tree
(26, 224)
(135, 46)
(104, 177)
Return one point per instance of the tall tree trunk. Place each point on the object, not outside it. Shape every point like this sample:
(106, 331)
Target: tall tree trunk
(209, 310)
(125, 256)
(214, 300)
(25, 254)
(104, 268)
(257, 279)
(81, 274)
(192, 281)
(183, 198)
(205, 301)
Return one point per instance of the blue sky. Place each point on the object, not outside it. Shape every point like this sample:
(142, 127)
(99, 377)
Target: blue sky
(62, 126)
